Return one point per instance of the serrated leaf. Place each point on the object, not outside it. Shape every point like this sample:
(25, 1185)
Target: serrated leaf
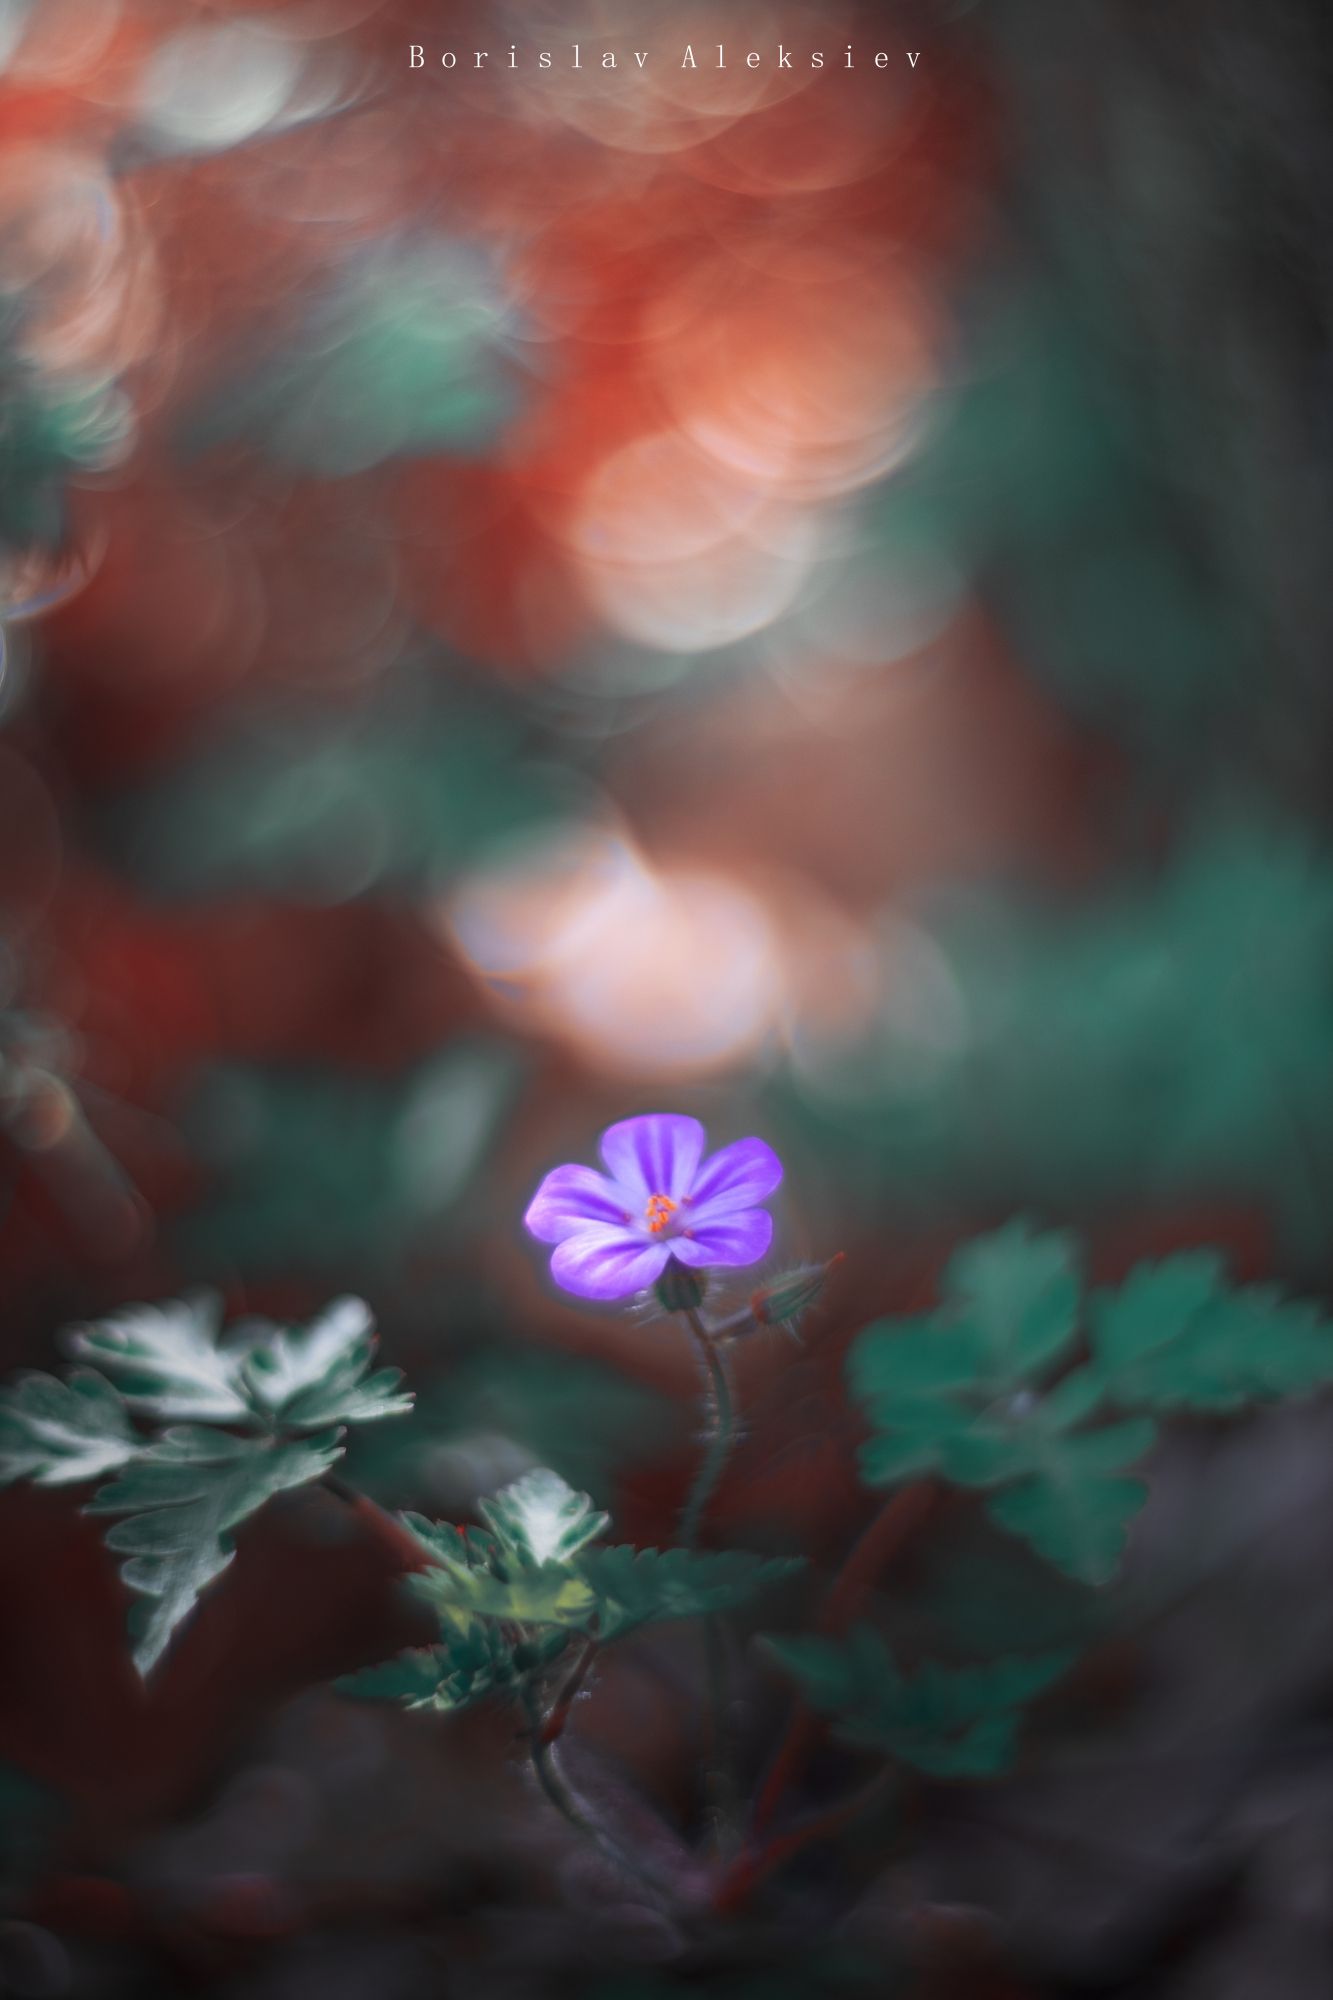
(446, 1543)
(501, 1621)
(413, 1678)
(165, 1360)
(476, 1658)
(539, 1519)
(1176, 1337)
(1019, 1289)
(1152, 1308)
(1080, 1526)
(315, 1376)
(549, 1595)
(947, 1721)
(169, 1362)
(637, 1587)
(183, 1498)
(1055, 1475)
(1063, 1497)
(913, 1360)
(56, 1432)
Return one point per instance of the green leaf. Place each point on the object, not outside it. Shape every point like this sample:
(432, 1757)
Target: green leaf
(947, 1395)
(483, 1647)
(413, 1678)
(166, 1361)
(476, 1658)
(912, 1361)
(948, 1721)
(1152, 1308)
(1019, 1290)
(1079, 1524)
(639, 1587)
(315, 1377)
(549, 1595)
(1069, 1506)
(1175, 1336)
(57, 1432)
(521, 1572)
(539, 1519)
(183, 1496)
(446, 1543)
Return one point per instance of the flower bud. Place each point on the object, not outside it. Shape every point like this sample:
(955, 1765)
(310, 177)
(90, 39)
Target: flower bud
(680, 1289)
(784, 1299)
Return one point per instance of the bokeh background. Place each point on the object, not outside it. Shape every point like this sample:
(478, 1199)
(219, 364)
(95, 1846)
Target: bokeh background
(527, 597)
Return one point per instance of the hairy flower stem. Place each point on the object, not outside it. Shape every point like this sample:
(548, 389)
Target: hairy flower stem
(720, 1435)
(887, 1532)
(575, 1812)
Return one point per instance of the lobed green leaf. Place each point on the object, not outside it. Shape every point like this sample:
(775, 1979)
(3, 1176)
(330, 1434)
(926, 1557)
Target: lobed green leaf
(58, 1431)
(638, 1587)
(182, 1497)
(539, 1519)
(947, 1721)
(315, 1376)
(166, 1361)
(169, 1362)
(961, 1393)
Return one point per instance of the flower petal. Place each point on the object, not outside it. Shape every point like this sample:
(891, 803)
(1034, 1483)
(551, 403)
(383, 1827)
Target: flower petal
(603, 1263)
(736, 1177)
(733, 1239)
(657, 1153)
(572, 1197)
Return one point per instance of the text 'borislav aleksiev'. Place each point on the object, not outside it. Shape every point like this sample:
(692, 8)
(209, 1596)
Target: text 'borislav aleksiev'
(693, 56)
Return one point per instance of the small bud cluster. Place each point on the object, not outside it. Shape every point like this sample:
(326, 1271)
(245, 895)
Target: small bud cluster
(785, 1299)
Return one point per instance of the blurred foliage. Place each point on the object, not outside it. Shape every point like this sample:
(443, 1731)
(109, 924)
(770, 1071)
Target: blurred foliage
(323, 803)
(951, 1722)
(404, 357)
(1171, 1035)
(319, 1170)
(50, 428)
(964, 1391)
(1039, 479)
(507, 1400)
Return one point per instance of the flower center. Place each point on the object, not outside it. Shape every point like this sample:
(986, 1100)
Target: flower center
(659, 1212)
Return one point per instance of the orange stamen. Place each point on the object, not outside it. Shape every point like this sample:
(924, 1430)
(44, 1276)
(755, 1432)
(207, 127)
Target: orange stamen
(659, 1212)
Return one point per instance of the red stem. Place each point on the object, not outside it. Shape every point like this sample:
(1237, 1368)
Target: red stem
(887, 1532)
(750, 1868)
(554, 1726)
(389, 1533)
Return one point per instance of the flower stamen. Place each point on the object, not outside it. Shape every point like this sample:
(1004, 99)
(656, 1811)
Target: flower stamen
(659, 1212)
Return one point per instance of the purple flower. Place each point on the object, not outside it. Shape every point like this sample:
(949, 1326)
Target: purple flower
(662, 1199)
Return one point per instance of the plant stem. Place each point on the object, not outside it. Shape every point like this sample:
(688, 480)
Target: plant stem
(719, 1435)
(388, 1532)
(750, 1868)
(719, 1783)
(884, 1535)
(558, 1715)
(561, 1795)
